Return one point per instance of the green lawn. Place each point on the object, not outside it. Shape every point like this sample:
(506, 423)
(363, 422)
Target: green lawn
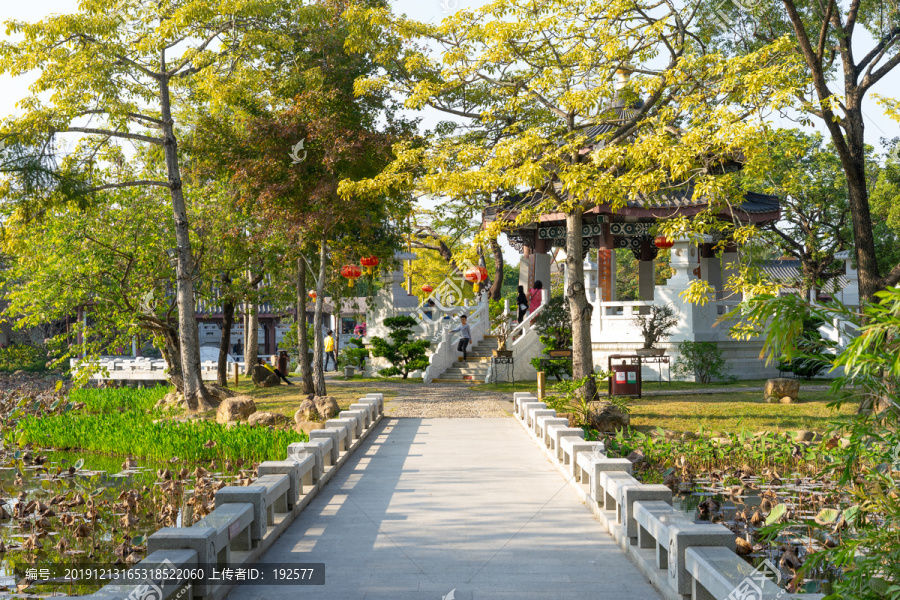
(648, 386)
(736, 411)
(742, 408)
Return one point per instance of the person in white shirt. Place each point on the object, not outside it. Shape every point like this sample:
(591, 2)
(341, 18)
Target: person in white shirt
(463, 330)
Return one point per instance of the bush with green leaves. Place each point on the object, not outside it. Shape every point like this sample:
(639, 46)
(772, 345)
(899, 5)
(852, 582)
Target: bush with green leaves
(554, 326)
(354, 354)
(813, 346)
(702, 360)
(867, 552)
(401, 351)
(21, 357)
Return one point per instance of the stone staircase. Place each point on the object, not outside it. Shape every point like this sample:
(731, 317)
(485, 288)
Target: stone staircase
(475, 369)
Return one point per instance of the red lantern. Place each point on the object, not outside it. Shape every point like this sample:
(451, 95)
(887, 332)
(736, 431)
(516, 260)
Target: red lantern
(312, 294)
(369, 262)
(351, 272)
(427, 288)
(476, 275)
(663, 242)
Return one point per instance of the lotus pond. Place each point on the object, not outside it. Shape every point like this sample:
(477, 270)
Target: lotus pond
(86, 475)
(778, 493)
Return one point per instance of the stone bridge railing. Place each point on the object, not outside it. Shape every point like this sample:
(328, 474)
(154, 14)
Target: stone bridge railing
(683, 560)
(191, 562)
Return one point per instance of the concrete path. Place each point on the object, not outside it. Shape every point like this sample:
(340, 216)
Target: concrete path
(427, 506)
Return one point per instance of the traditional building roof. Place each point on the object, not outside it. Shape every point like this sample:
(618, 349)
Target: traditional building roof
(755, 208)
(789, 273)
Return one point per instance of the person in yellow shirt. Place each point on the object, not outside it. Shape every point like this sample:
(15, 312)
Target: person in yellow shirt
(329, 350)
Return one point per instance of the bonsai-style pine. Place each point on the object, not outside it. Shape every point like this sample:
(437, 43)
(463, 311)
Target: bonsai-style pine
(403, 353)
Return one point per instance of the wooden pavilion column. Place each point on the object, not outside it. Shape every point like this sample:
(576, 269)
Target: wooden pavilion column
(606, 265)
(647, 270)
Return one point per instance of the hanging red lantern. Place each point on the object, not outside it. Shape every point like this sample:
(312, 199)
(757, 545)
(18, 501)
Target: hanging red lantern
(427, 288)
(663, 242)
(369, 262)
(312, 294)
(476, 275)
(351, 272)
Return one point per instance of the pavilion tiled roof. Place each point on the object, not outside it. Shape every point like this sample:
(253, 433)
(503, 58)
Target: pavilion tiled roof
(788, 272)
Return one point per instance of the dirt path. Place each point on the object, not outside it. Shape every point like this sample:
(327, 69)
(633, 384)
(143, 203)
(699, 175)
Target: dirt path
(434, 400)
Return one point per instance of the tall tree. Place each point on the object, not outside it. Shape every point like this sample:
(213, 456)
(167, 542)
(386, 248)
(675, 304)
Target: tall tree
(531, 81)
(815, 217)
(108, 72)
(284, 154)
(847, 49)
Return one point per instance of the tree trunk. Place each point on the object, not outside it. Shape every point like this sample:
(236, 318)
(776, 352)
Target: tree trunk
(318, 341)
(171, 352)
(225, 343)
(195, 395)
(251, 340)
(858, 199)
(306, 375)
(497, 285)
(579, 307)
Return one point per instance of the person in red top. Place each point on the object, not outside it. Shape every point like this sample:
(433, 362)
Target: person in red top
(536, 295)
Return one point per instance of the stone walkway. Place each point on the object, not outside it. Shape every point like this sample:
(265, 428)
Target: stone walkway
(430, 506)
(434, 400)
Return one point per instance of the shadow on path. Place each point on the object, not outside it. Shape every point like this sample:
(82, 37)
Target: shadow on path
(427, 506)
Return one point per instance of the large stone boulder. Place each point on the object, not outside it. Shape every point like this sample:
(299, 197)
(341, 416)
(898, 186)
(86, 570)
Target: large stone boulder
(235, 409)
(608, 418)
(777, 390)
(266, 419)
(263, 377)
(220, 392)
(326, 406)
(307, 411)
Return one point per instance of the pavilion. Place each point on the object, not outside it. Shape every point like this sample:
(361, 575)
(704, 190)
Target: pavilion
(613, 330)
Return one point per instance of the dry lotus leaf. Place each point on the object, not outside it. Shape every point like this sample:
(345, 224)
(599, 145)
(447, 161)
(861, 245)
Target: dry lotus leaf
(743, 546)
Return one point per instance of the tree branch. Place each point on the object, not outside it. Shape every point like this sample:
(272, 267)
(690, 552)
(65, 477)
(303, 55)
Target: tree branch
(116, 134)
(128, 184)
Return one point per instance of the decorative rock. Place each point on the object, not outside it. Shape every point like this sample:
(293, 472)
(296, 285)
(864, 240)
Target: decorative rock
(266, 419)
(171, 400)
(608, 418)
(804, 436)
(306, 412)
(235, 409)
(326, 406)
(220, 392)
(787, 400)
(263, 377)
(780, 388)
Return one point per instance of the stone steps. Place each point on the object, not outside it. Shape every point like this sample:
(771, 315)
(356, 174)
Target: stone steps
(475, 367)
